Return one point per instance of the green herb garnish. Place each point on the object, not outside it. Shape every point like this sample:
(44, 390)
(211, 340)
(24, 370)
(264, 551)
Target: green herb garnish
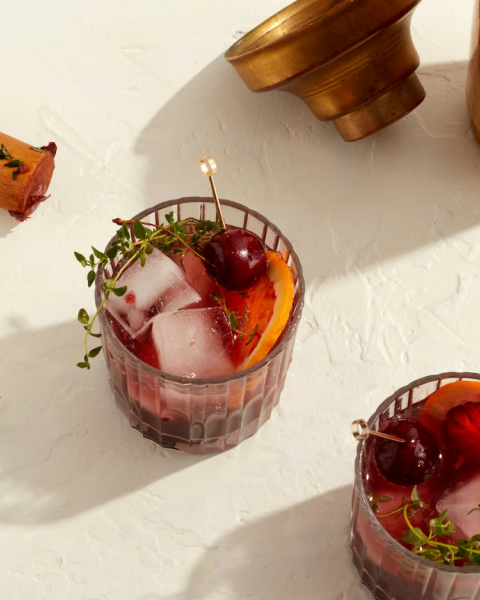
(173, 238)
(38, 149)
(236, 326)
(374, 502)
(429, 545)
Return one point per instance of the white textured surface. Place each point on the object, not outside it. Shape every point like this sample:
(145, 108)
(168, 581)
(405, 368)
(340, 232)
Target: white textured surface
(134, 93)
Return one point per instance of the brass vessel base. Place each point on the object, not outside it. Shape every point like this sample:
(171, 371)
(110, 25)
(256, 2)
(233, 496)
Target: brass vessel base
(476, 132)
(473, 80)
(381, 112)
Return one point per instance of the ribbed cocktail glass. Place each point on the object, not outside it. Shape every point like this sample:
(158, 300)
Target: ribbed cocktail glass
(388, 569)
(203, 415)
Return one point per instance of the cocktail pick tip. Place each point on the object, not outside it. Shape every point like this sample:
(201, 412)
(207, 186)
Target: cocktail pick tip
(361, 431)
(209, 168)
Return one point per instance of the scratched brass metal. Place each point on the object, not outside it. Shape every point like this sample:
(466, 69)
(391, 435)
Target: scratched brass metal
(352, 62)
(473, 81)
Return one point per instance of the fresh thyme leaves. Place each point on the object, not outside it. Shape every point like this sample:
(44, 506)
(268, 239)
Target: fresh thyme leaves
(38, 149)
(235, 326)
(172, 238)
(474, 509)
(191, 234)
(374, 502)
(4, 153)
(464, 552)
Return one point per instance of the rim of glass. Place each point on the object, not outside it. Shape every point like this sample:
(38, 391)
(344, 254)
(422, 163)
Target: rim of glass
(359, 479)
(294, 318)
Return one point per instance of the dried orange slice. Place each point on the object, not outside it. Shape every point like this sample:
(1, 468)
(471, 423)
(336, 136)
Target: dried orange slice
(447, 397)
(269, 304)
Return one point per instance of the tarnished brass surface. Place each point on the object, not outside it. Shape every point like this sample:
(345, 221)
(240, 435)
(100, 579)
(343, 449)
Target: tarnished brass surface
(473, 82)
(352, 62)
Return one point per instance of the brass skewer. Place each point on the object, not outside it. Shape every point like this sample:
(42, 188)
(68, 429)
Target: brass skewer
(361, 431)
(209, 168)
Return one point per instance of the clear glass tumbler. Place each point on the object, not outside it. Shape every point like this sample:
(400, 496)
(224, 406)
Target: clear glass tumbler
(203, 415)
(387, 569)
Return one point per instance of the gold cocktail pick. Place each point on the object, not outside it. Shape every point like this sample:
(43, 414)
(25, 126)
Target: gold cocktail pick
(361, 431)
(209, 168)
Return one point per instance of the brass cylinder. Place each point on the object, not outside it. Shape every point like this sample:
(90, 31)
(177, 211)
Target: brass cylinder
(473, 80)
(352, 62)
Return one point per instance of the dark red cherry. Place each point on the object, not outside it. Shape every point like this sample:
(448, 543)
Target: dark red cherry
(237, 257)
(409, 463)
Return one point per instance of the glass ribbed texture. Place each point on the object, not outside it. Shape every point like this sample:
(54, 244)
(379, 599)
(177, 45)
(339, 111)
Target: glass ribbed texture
(387, 569)
(203, 415)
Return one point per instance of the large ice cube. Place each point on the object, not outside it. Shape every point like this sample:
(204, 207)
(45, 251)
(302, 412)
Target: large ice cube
(194, 342)
(459, 502)
(159, 286)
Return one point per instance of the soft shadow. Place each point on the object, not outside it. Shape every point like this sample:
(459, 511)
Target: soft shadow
(7, 223)
(342, 205)
(64, 446)
(301, 552)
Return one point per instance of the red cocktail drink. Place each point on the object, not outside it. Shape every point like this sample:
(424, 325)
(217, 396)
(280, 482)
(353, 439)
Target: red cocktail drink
(415, 522)
(177, 372)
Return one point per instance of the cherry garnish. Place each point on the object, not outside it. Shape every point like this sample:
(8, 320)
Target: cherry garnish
(411, 462)
(237, 259)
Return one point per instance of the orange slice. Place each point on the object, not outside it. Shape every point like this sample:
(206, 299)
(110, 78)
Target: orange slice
(447, 397)
(269, 304)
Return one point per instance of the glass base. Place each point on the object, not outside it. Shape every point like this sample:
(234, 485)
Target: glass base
(174, 431)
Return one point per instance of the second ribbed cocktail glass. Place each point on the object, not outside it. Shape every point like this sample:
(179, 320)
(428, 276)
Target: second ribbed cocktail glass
(387, 567)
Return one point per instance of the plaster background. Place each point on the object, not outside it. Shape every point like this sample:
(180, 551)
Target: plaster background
(388, 233)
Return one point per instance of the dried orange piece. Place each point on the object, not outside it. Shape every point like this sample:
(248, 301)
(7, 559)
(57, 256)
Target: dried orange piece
(447, 397)
(269, 304)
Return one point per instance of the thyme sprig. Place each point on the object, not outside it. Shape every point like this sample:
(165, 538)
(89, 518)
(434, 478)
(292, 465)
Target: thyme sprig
(189, 234)
(171, 238)
(429, 545)
(237, 322)
(374, 502)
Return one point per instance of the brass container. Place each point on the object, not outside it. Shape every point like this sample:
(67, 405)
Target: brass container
(352, 62)
(473, 80)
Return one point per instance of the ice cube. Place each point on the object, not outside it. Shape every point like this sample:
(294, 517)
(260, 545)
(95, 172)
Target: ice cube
(464, 497)
(194, 342)
(159, 286)
(197, 277)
